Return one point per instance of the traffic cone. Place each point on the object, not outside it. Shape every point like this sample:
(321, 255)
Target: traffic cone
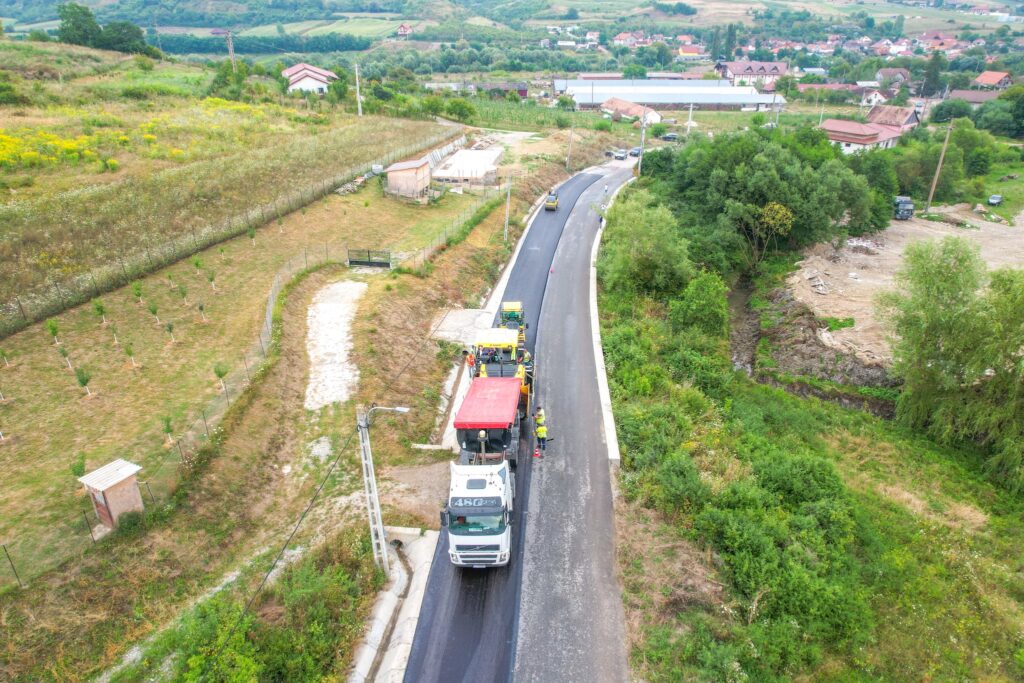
(536, 452)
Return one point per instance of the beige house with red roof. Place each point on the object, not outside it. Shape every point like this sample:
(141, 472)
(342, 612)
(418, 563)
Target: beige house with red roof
(752, 73)
(307, 78)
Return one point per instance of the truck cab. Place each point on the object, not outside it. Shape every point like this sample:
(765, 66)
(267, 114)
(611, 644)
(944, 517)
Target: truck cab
(478, 515)
(903, 208)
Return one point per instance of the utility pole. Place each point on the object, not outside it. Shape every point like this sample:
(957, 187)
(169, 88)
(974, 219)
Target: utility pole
(380, 549)
(231, 52)
(508, 204)
(359, 99)
(938, 169)
(568, 155)
(689, 121)
(643, 141)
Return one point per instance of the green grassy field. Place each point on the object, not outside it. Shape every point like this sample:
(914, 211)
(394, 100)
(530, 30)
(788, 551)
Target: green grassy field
(298, 27)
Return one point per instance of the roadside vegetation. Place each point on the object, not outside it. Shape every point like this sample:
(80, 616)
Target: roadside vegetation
(814, 541)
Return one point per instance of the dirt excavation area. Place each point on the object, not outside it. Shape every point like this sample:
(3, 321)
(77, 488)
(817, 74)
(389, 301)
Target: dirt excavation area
(845, 283)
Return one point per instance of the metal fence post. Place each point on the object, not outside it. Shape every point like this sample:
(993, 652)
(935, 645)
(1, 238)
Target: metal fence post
(205, 423)
(11, 562)
(89, 527)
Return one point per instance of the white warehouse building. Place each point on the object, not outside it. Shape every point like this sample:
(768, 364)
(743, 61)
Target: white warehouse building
(669, 94)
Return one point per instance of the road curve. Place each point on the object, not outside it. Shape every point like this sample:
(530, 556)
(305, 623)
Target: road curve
(572, 625)
(467, 629)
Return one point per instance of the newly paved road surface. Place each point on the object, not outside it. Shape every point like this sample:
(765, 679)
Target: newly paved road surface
(469, 619)
(571, 626)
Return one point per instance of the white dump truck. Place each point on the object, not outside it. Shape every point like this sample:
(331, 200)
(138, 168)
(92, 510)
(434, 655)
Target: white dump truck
(478, 515)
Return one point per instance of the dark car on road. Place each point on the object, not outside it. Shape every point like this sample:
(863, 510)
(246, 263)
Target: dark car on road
(670, 137)
(635, 152)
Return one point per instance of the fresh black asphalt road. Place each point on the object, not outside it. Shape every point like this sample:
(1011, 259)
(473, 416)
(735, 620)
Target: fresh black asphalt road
(571, 625)
(470, 627)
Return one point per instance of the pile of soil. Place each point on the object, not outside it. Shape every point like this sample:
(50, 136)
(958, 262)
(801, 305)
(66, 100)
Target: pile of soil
(799, 347)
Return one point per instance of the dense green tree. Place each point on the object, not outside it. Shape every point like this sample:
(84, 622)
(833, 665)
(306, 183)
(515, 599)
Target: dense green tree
(77, 25)
(460, 109)
(933, 73)
(950, 109)
(122, 36)
(997, 117)
(634, 71)
(702, 305)
(645, 251)
(959, 350)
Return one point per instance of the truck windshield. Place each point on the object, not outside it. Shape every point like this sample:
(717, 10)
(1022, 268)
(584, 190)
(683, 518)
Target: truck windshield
(477, 525)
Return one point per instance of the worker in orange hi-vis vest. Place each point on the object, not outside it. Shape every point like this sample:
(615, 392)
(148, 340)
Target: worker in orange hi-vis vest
(470, 361)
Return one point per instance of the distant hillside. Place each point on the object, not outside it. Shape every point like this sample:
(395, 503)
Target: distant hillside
(224, 13)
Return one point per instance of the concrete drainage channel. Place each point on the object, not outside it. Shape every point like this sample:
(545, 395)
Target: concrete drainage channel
(383, 654)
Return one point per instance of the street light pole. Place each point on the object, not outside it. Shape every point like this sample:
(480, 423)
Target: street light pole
(380, 550)
(508, 204)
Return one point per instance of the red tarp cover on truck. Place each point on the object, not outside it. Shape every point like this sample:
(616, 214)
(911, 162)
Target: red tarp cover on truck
(490, 404)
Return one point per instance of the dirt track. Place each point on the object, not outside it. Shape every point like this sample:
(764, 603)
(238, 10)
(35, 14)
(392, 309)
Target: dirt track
(844, 283)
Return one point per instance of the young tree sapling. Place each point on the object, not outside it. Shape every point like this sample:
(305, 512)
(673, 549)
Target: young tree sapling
(101, 310)
(83, 377)
(51, 327)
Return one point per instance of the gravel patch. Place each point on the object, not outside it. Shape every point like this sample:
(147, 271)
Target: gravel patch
(332, 376)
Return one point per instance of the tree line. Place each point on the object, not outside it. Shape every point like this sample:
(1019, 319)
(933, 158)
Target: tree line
(252, 45)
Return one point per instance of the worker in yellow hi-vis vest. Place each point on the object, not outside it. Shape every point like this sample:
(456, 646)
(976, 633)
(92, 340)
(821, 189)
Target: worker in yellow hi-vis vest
(542, 437)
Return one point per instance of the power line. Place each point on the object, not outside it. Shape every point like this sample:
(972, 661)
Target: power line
(266, 577)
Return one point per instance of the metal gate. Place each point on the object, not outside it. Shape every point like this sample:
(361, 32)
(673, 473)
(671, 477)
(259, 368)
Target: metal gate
(375, 258)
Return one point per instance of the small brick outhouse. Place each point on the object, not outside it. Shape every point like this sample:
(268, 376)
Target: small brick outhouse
(114, 490)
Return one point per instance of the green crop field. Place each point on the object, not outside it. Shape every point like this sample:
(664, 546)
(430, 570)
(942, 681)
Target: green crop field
(362, 26)
(296, 28)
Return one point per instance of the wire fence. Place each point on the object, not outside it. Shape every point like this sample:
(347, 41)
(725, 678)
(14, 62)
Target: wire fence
(59, 295)
(24, 558)
(453, 231)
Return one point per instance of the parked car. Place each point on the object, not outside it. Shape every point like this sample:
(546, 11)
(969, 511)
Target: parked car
(620, 154)
(670, 137)
(635, 152)
(995, 200)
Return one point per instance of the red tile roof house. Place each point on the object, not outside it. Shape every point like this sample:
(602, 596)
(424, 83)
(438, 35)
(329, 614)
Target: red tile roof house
(306, 78)
(853, 137)
(900, 118)
(993, 79)
(404, 31)
(752, 73)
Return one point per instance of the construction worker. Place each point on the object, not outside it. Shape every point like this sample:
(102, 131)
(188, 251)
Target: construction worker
(542, 437)
(527, 357)
(471, 361)
(538, 416)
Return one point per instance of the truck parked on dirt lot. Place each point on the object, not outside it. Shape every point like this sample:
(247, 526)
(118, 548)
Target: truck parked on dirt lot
(903, 208)
(478, 514)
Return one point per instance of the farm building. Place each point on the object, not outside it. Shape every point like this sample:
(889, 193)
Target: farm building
(669, 94)
(469, 167)
(853, 137)
(409, 178)
(976, 98)
(306, 78)
(113, 490)
(617, 108)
